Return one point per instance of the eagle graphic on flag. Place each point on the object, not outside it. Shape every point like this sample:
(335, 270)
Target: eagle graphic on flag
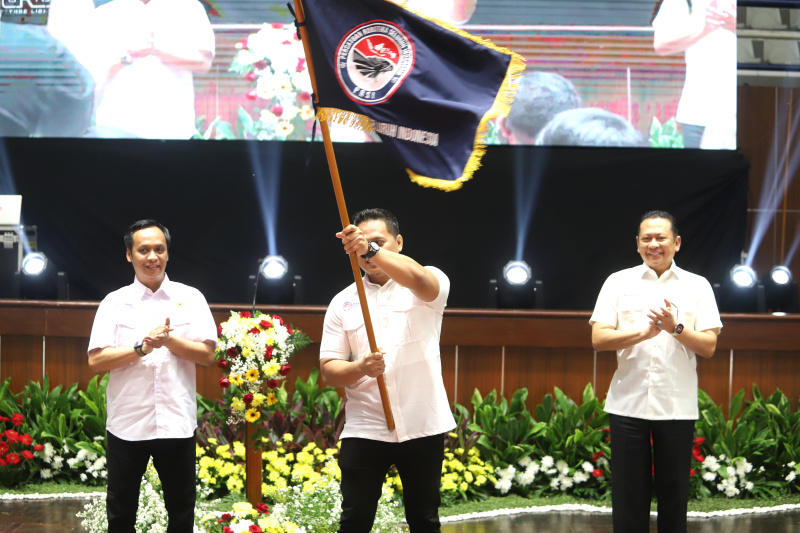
(425, 87)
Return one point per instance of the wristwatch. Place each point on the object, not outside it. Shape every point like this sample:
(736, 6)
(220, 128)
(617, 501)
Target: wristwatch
(372, 249)
(138, 349)
(678, 329)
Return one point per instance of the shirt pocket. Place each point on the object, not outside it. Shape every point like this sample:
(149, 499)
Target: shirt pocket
(353, 326)
(632, 311)
(409, 321)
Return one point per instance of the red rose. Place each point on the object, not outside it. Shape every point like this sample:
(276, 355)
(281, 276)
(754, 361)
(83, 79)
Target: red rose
(232, 352)
(12, 458)
(219, 330)
(285, 369)
(260, 65)
(27, 454)
(597, 472)
(224, 383)
(248, 398)
(26, 439)
(266, 324)
(225, 518)
(251, 76)
(268, 352)
(262, 508)
(254, 331)
(254, 529)
(226, 529)
(301, 64)
(17, 419)
(691, 472)
(277, 319)
(272, 384)
(222, 364)
(289, 330)
(245, 314)
(597, 455)
(698, 441)
(276, 110)
(38, 447)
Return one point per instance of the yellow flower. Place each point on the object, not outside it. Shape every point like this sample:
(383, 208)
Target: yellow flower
(452, 434)
(252, 415)
(198, 451)
(238, 449)
(463, 487)
(234, 484)
(244, 508)
(236, 379)
(251, 375)
(480, 480)
(223, 451)
(212, 441)
(272, 369)
(258, 399)
(306, 112)
(284, 128)
(271, 399)
(247, 352)
(238, 404)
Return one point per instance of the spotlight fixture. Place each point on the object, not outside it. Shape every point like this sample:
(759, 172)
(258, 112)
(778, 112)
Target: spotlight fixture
(517, 272)
(34, 263)
(743, 276)
(780, 275)
(274, 267)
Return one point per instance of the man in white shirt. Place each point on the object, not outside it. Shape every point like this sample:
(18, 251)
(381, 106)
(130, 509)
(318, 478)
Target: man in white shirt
(658, 318)
(150, 335)
(406, 303)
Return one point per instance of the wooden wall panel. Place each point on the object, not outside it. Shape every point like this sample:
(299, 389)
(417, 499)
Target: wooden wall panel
(479, 367)
(21, 359)
(448, 358)
(66, 361)
(770, 370)
(713, 377)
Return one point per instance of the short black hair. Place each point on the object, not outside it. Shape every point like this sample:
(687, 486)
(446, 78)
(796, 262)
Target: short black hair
(378, 214)
(144, 224)
(588, 126)
(660, 214)
(540, 97)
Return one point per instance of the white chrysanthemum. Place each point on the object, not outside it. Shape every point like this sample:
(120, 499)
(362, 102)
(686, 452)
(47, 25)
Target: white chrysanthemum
(506, 473)
(587, 467)
(84, 477)
(525, 461)
(547, 462)
(580, 477)
(554, 483)
(533, 468)
(748, 486)
(709, 476)
(562, 467)
(565, 482)
(791, 464)
(57, 462)
(45, 473)
(742, 467)
(791, 477)
(711, 463)
(503, 485)
(524, 478)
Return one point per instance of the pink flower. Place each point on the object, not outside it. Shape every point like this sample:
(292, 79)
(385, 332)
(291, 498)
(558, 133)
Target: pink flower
(305, 96)
(276, 110)
(301, 64)
(251, 76)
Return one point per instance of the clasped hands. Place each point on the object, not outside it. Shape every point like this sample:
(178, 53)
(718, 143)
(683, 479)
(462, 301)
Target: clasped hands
(157, 337)
(661, 320)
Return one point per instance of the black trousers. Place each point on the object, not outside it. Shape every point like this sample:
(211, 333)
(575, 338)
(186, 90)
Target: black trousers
(174, 460)
(364, 464)
(635, 470)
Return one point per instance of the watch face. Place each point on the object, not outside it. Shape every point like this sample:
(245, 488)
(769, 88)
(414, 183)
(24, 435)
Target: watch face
(679, 329)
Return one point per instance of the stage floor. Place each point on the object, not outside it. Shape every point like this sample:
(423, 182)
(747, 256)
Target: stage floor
(46, 516)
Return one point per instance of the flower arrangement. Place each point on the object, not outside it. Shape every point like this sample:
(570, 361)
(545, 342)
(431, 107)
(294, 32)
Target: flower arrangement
(313, 506)
(465, 476)
(16, 452)
(253, 353)
(84, 460)
(553, 475)
(274, 60)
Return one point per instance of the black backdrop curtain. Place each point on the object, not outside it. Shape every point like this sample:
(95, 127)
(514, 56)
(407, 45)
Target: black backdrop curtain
(571, 213)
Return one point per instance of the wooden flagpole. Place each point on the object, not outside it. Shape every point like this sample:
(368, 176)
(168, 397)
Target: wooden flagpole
(337, 189)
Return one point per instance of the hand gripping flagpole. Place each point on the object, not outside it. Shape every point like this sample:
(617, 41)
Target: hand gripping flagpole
(337, 189)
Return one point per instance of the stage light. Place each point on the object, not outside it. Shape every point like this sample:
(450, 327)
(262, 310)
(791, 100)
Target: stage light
(780, 275)
(34, 263)
(274, 267)
(517, 272)
(743, 276)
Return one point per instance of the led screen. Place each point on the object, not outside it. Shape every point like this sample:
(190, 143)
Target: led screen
(599, 73)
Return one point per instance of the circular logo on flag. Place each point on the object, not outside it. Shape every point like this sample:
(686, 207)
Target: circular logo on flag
(373, 60)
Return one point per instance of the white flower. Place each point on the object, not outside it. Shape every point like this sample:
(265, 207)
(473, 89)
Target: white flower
(565, 482)
(748, 486)
(72, 461)
(547, 462)
(83, 477)
(562, 467)
(792, 475)
(580, 477)
(709, 476)
(742, 467)
(588, 467)
(554, 483)
(524, 478)
(731, 491)
(791, 464)
(525, 461)
(506, 473)
(711, 463)
(45, 473)
(58, 462)
(533, 468)
(503, 485)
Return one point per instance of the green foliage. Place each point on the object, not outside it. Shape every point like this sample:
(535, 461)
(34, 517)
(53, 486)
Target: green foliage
(665, 135)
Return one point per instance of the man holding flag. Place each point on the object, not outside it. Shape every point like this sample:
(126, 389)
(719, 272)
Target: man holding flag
(407, 301)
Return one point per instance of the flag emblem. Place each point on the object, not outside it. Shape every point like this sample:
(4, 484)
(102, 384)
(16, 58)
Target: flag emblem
(373, 60)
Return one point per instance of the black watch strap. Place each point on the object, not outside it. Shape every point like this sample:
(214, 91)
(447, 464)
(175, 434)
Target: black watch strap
(372, 249)
(138, 349)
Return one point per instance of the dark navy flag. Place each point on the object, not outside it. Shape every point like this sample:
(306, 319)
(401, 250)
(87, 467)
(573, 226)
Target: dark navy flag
(426, 88)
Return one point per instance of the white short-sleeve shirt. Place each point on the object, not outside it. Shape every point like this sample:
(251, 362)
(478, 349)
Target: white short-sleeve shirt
(656, 379)
(153, 397)
(408, 330)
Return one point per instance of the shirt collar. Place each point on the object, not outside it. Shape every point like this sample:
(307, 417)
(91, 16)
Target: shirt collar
(674, 270)
(141, 289)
